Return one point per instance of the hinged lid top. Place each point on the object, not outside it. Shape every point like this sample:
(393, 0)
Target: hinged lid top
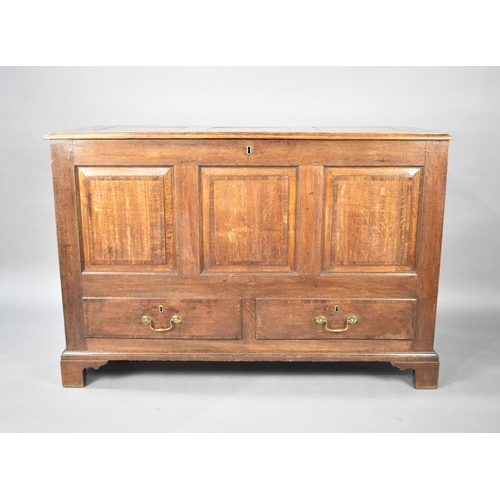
(330, 133)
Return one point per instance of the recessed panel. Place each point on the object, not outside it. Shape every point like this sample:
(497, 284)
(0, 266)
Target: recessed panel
(249, 219)
(126, 218)
(370, 219)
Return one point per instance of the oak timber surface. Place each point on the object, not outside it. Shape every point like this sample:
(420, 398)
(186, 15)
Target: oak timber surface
(199, 132)
(234, 152)
(249, 235)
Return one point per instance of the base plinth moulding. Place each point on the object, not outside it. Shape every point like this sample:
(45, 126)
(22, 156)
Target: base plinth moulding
(425, 365)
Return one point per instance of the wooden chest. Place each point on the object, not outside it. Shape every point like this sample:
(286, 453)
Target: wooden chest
(316, 244)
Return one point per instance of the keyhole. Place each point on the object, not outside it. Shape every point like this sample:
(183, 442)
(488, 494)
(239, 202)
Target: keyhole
(249, 150)
(160, 309)
(337, 309)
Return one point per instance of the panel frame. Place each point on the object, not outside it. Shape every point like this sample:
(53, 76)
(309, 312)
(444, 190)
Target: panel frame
(348, 285)
(330, 173)
(277, 152)
(207, 174)
(68, 241)
(430, 242)
(164, 173)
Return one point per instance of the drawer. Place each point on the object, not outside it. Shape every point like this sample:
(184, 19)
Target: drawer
(301, 319)
(127, 318)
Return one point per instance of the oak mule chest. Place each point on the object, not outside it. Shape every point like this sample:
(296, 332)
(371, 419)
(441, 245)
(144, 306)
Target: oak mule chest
(265, 244)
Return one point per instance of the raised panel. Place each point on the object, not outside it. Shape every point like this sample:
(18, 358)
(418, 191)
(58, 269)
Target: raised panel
(371, 219)
(249, 219)
(127, 218)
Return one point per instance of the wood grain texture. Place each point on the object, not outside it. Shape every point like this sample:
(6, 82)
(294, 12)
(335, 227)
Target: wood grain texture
(232, 350)
(73, 372)
(248, 319)
(424, 364)
(429, 244)
(70, 254)
(249, 219)
(425, 373)
(346, 285)
(254, 246)
(310, 219)
(187, 196)
(234, 152)
(201, 318)
(246, 354)
(295, 319)
(315, 133)
(371, 219)
(127, 218)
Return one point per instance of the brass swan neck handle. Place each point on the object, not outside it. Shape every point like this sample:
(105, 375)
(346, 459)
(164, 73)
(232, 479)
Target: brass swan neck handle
(173, 320)
(350, 320)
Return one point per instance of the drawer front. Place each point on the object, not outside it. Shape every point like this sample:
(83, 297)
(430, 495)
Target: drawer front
(302, 319)
(128, 318)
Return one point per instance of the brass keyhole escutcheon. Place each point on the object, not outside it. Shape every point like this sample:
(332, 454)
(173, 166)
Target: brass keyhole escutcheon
(160, 309)
(249, 150)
